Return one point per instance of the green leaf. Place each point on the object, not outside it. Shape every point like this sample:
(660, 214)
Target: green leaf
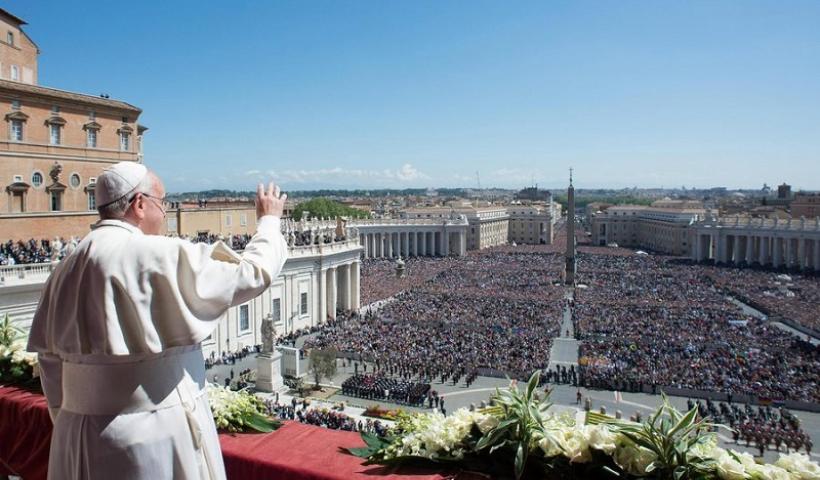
(261, 423)
(533, 383)
(361, 452)
(684, 422)
(372, 441)
(520, 459)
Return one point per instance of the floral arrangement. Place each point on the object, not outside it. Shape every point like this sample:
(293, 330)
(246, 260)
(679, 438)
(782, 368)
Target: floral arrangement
(239, 411)
(17, 366)
(519, 437)
(376, 411)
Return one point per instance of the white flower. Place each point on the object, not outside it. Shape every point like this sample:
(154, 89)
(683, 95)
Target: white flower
(550, 444)
(705, 449)
(799, 465)
(22, 356)
(487, 422)
(767, 472)
(632, 458)
(576, 447)
(600, 437)
(728, 468)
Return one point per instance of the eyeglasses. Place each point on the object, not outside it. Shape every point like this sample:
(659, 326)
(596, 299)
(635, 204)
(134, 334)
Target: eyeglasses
(161, 203)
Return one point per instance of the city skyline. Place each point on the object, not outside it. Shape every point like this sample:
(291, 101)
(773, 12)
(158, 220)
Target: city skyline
(326, 95)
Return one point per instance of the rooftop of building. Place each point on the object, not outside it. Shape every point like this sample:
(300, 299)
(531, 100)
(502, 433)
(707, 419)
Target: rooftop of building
(55, 93)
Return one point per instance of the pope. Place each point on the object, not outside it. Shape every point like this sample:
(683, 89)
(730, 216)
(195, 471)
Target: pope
(118, 332)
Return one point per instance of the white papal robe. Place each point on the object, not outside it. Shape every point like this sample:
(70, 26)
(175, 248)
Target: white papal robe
(118, 333)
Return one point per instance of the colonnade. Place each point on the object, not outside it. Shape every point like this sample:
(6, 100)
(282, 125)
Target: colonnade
(791, 244)
(413, 243)
(341, 288)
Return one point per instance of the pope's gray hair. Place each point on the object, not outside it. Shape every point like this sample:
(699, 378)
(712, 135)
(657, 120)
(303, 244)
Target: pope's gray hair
(119, 207)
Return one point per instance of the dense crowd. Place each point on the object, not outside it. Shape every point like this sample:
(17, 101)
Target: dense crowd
(792, 297)
(379, 280)
(34, 251)
(382, 387)
(235, 242)
(490, 310)
(645, 321)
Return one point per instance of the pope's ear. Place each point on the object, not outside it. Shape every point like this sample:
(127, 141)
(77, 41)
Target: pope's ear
(139, 206)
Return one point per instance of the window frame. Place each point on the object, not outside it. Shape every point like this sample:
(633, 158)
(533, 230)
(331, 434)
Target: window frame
(55, 133)
(15, 122)
(303, 303)
(247, 309)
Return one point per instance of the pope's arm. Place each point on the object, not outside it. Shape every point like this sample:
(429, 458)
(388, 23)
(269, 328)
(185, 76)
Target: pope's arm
(213, 278)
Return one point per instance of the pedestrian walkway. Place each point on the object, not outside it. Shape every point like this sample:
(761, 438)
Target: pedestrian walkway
(564, 349)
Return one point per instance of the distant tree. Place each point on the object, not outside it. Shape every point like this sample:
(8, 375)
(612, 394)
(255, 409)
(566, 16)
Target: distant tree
(322, 364)
(322, 207)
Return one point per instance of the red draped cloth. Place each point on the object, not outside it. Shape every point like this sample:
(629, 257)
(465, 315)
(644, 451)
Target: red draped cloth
(293, 452)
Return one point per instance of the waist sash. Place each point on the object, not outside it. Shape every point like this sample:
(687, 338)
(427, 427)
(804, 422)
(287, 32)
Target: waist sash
(176, 378)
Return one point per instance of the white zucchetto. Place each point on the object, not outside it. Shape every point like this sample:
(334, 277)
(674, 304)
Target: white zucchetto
(118, 181)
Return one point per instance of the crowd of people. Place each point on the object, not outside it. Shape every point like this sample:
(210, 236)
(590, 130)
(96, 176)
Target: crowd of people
(380, 386)
(230, 358)
(791, 297)
(491, 310)
(322, 417)
(645, 321)
(761, 427)
(22, 252)
(379, 280)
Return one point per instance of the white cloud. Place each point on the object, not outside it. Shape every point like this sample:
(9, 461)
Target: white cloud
(407, 174)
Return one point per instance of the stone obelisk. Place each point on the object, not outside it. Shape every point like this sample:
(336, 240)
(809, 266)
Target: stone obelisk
(569, 272)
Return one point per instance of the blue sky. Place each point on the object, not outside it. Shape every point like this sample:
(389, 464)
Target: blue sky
(427, 93)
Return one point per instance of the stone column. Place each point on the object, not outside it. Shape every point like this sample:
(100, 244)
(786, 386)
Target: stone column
(735, 258)
(463, 243)
(722, 242)
(323, 296)
(445, 243)
(431, 238)
(389, 245)
(777, 252)
(764, 250)
(405, 237)
(817, 255)
(363, 243)
(332, 285)
(423, 243)
(789, 252)
(750, 249)
(802, 262)
(696, 250)
(355, 293)
(346, 288)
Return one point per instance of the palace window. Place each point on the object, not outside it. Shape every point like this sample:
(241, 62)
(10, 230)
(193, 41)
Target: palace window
(91, 138)
(15, 73)
(244, 319)
(92, 200)
(303, 304)
(37, 179)
(74, 180)
(10, 38)
(17, 130)
(125, 141)
(276, 311)
(54, 130)
(56, 201)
